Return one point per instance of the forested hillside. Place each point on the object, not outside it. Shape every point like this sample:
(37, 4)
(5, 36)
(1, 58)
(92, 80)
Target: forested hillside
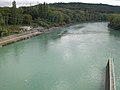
(49, 15)
(101, 8)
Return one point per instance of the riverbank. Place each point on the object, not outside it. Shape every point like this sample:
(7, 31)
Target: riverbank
(23, 36)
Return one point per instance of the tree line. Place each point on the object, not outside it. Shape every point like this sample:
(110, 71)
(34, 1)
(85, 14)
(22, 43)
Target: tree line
(100, 8)
(49, 15)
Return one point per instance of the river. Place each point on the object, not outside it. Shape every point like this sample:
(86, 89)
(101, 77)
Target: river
(70, 58)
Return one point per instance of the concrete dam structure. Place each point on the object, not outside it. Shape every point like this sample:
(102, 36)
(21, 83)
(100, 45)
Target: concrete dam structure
(110, 76)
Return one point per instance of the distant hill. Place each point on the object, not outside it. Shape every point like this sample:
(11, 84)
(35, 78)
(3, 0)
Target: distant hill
(101, 8)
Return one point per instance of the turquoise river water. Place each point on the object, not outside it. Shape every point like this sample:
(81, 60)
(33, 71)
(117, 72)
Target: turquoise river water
(70, 58)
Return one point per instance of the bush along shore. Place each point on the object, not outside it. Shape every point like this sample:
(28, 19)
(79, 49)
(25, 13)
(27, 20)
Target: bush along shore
(114, 21)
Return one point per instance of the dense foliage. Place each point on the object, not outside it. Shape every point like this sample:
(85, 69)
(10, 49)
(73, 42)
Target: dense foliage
(114, 21)
(101, 8)
(56, 14)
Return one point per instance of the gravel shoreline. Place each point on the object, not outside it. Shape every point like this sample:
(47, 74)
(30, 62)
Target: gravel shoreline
(23, 36)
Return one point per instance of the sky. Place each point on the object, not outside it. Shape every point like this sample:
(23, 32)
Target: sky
(33, 2)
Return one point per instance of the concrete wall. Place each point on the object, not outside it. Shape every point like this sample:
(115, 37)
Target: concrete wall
(110, 76)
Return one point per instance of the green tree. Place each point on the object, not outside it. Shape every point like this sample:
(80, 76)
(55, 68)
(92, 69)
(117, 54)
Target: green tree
(43, 10)
(27, 19)
(1, 20)
(14, 13)
(114, 21)
(3, 31)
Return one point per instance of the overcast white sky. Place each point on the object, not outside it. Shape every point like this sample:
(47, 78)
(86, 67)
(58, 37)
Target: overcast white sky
(27, 2)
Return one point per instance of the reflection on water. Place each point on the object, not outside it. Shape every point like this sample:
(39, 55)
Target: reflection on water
(114, 33)
(69, 58)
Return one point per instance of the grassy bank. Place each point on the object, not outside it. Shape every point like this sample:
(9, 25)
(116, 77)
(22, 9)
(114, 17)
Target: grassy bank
(9, 30)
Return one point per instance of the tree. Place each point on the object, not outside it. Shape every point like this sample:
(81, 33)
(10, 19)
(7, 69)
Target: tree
(3, 31)
(1, 20)
(13, 10)
(45, 5)
(114, 21)
(43, 10)
(27, 19)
